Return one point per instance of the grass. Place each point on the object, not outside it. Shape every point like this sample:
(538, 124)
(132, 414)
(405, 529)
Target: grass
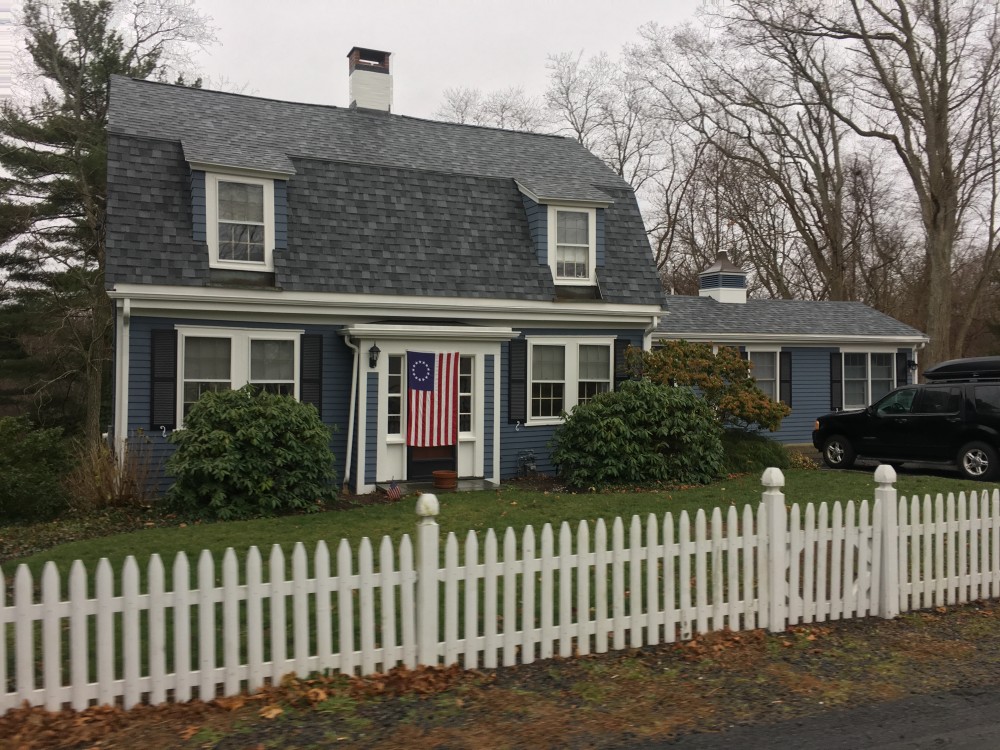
(509, 506)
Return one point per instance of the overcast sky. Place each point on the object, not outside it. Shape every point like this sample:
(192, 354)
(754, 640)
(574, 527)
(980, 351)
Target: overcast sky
(297, 49)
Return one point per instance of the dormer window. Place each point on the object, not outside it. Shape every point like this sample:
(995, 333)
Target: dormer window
(240, 222)
(573, 245)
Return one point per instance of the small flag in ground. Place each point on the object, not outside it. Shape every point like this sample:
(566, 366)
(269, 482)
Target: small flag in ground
(393, 491)
(432, 386)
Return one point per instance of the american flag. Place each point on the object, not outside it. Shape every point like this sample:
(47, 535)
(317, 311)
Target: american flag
(394, 491)
(432, 385)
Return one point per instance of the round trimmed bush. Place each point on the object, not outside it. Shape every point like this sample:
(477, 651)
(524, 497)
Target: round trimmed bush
(249, 453)
(642, 433)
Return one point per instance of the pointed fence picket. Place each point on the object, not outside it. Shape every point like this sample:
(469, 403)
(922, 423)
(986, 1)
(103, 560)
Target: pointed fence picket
(142, 636)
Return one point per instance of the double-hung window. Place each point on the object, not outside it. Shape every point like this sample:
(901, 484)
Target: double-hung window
(217, 359)
(868, 376)
(240, 222)
(563, 375)
(573, 245)
(765, 371)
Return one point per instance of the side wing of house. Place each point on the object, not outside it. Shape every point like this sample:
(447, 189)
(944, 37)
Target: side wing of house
(815, 357)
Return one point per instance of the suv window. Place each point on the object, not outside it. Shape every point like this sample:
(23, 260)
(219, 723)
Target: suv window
(988, 400)
(897, 402)
(938, 401)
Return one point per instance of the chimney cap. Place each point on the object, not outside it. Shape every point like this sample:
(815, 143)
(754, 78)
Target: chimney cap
(368, 58)
(723, 265)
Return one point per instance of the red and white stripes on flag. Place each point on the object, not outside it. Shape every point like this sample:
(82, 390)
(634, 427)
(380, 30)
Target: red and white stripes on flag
(432, 399)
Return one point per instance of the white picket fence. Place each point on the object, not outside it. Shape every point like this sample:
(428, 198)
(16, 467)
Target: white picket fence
(494, 601)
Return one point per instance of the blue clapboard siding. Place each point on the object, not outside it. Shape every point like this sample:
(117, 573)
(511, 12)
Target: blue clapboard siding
(488, 368)
(198, 205)
(280, 215)
(371, 428)
(600, 238)
(536, 439)
(337, 363)
(810, 393)
(538, 226)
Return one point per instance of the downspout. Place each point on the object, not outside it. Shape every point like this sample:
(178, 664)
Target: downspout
(352, 410)
(647, 338)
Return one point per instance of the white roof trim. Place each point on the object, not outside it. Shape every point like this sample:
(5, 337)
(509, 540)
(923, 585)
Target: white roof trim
(263, 301)
(748, 339)
(390, 332)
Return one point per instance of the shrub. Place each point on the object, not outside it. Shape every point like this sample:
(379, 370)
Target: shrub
(100, 480)
(32, 465)
(720, 377)
(747, 452)
(640, 434)
(249, 453)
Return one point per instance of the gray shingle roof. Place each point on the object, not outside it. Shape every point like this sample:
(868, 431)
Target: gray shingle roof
(706, 316)
(377, 203)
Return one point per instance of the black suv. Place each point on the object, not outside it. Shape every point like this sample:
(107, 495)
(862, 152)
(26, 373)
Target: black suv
(954, 418)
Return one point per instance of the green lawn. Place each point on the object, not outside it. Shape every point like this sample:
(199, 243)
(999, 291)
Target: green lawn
(510, 506)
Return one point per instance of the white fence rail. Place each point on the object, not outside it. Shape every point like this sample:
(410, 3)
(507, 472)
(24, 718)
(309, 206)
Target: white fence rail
(153, 636)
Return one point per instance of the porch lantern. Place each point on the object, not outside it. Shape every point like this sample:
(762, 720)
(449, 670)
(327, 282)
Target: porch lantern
(373, 356)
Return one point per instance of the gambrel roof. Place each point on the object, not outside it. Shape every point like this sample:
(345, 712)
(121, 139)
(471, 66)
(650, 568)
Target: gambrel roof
(377, 203)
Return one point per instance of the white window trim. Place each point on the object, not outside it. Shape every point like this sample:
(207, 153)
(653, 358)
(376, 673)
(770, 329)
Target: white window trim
(212, 181)
(868, 374)
(592, 238)
(239, 353)
(571, 377)
(776, 351)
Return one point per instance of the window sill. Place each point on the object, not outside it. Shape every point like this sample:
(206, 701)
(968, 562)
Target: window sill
(544, 422)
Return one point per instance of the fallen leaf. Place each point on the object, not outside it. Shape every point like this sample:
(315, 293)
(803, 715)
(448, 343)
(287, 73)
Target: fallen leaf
(271, 712)
(190, 732)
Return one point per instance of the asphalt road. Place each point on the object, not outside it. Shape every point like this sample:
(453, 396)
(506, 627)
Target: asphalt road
(960, 720)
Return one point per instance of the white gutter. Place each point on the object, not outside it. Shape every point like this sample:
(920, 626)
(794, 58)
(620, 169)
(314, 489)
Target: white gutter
(351, 410)
(799, 338)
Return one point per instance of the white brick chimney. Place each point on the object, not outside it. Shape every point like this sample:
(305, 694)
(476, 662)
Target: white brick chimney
(370, 79)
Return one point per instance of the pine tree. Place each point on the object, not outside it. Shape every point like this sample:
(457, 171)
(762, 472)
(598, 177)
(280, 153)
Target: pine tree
(53, 186)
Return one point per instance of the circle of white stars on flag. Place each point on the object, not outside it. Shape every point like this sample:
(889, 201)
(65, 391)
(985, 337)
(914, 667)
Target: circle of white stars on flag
(421, 377)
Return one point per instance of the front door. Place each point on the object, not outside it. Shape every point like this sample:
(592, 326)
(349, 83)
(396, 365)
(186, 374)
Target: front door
(422, 462)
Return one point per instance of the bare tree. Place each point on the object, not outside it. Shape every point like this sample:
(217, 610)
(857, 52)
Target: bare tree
(919, 76)
(606, 106)
(509, 108)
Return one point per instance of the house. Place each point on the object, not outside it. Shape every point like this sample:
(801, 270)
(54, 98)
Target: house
(339, 254)
(815, 356)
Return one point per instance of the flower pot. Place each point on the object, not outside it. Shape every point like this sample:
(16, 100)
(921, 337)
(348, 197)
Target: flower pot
(445, 479)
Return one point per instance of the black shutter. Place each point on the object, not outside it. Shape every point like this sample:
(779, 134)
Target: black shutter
(744, 354)
(311, 370)
(163, 379)
(785, 372)
(901, 369)
(517, 381)
(621, 374)
(836, 381)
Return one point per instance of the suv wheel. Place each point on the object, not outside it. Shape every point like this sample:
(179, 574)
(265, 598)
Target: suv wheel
(838, 452)
(977, 461)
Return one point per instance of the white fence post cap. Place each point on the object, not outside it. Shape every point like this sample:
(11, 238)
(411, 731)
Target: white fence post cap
(427, 504)
(772, 477)
(885, 474)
